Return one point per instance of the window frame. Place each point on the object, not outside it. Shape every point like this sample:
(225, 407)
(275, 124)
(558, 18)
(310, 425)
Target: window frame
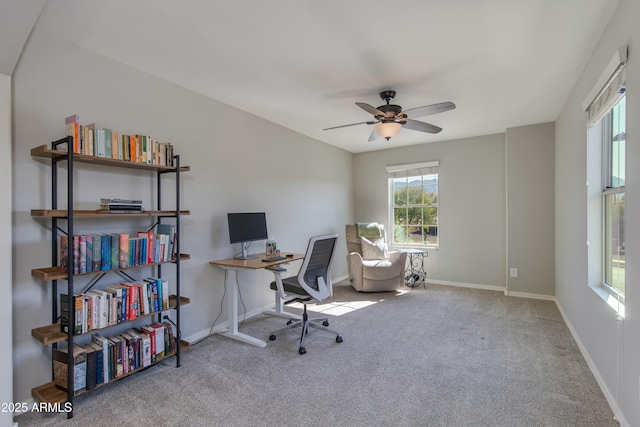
(406, 172)
(611, 189)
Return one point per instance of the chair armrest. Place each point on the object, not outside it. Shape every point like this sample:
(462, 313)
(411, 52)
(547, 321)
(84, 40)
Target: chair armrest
(398, 255)
(354, 262)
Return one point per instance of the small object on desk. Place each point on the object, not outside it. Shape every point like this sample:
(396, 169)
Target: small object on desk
(272, 259)
(289, 255)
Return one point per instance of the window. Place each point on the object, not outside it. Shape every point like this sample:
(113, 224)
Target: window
(606, 159)
(413, 204)
(613, 195)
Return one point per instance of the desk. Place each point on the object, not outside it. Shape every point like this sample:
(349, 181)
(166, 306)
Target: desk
(232, 265)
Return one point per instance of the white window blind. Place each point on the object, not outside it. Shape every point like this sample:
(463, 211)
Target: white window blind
(607, 94)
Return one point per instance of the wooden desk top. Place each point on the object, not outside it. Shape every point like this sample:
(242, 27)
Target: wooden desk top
(255, 263)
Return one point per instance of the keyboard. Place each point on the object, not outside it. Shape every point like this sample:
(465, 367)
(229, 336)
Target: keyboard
(273, 259)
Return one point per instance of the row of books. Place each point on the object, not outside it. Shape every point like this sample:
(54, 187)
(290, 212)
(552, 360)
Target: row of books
(97, 309)
(101, 252)
(107, 358)
(99, 142)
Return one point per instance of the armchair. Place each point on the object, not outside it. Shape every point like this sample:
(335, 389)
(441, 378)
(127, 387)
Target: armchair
(372, 268)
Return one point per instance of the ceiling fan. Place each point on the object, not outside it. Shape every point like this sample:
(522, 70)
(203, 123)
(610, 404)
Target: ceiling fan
(390, 118)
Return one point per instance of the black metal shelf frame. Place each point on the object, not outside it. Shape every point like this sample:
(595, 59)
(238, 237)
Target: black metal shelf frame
(70, 232)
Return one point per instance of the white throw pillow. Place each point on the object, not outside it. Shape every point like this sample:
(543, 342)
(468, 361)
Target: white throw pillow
(373, 250)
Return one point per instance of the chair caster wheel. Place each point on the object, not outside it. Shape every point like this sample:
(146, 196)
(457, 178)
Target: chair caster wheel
(325, 323)
(289, 322)
(272, 337)
(302, 350)
(338, 339)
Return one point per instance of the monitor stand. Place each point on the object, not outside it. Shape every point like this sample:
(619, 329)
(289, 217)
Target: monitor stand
(244, 255)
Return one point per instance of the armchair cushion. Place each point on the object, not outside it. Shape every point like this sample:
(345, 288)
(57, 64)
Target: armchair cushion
(373, 250)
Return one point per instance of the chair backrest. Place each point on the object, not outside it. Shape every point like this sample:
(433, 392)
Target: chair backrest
(353, 239)
(315, 273)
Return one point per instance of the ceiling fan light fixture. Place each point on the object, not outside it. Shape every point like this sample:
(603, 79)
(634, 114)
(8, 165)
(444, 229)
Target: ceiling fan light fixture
(388, 130)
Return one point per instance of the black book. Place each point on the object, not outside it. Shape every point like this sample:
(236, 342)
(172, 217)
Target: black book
(91, 367)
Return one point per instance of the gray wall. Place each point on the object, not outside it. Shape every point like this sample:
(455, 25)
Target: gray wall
(238, 163)
(530, 223)
(471, 204)
(612, 347)
(491, 187)
(6, 312)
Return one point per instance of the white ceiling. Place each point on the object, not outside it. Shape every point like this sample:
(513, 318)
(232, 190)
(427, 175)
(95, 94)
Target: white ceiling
(304, 63)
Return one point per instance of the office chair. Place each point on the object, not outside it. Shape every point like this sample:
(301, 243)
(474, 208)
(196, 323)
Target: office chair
(313, 283)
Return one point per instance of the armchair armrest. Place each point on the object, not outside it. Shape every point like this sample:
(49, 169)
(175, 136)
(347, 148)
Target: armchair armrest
(354, 262)
(398, 255)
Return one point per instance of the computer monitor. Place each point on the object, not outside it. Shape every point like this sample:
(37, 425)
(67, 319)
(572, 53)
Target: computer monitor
(247, 227)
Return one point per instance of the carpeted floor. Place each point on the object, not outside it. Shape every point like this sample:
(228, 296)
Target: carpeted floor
(441, 356)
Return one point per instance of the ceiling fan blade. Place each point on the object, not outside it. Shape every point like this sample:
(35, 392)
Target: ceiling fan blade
(421, 126)
(429, 109)
(370, 109)
(373, 136)
(351, 124)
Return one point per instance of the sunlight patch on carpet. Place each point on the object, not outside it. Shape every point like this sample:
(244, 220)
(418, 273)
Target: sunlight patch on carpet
(336, 308)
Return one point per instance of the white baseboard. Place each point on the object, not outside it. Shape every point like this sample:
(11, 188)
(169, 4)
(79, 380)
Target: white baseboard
(466, 285)
(528, 295)
(594, 370)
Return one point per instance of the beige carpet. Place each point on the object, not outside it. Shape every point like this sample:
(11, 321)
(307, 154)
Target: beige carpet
(441, 356)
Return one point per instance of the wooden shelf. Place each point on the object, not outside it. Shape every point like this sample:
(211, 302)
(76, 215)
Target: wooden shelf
(62, 213)
(51, 334)
(45, 152)
(54, 273)
(49, 393)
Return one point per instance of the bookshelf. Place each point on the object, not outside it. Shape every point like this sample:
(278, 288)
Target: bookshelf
(53, 333)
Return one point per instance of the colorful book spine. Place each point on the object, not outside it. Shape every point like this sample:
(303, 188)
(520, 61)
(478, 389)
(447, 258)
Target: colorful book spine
(83, 254)
(97, 252)
(64, 253)
(105, 241)
(124, 250)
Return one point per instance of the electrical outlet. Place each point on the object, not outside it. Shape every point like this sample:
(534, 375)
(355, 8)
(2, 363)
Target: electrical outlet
(513, 272)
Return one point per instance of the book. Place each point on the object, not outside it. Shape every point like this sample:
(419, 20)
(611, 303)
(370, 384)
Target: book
(60, 368)
(64, 253)
(65, 317)
(105, 246)
(167, 230)
(124, 250)
(91, 367)
(170, 340)
(151, 332)
(90, 264)
(160, 346)
(97, 252)
(145, 349)
(104, 344)
(76, 254)
(115, 151)
(115, 251)
(64, 313)
(99, 362)
(83, 254)
(71, 125)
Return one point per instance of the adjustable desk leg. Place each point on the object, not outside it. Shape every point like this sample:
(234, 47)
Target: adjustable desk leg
(232, 311)
(278, 308)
